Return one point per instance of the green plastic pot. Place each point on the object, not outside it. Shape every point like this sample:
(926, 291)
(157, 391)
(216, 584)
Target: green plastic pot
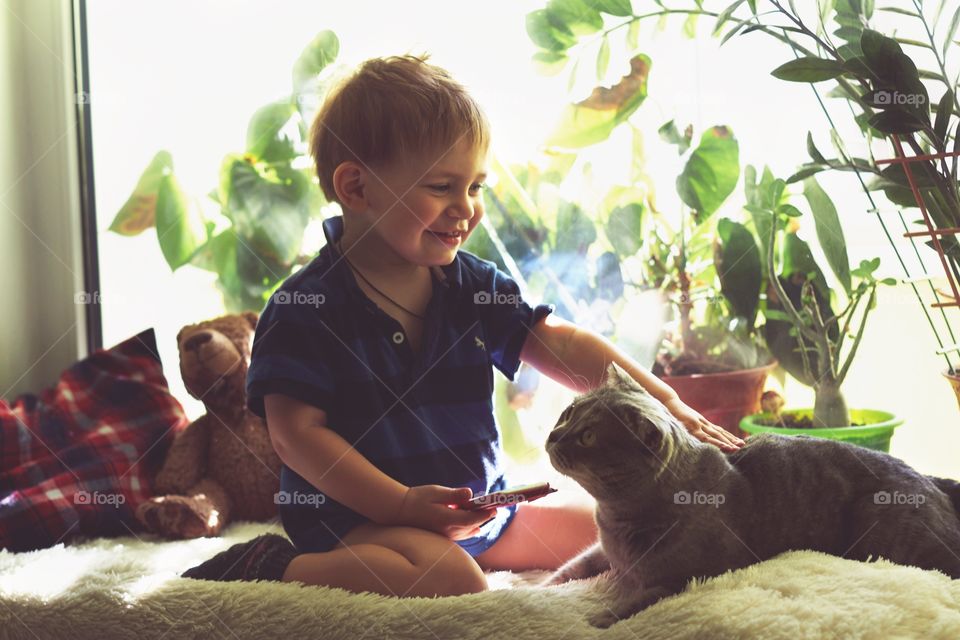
(874, 433)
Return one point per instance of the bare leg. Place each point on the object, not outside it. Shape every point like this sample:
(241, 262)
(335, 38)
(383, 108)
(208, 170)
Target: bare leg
(396, 561)
(542, 536)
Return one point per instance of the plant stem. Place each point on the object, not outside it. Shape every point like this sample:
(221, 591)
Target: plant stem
(784, 299)
(797, 21)
(856, 341)
(830, 407)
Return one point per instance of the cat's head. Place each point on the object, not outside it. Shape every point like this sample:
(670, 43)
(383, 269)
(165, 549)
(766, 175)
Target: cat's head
(615, 436)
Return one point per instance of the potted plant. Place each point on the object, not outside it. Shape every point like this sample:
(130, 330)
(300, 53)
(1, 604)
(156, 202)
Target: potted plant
(713, 356)
(709, 271)
(890, 97)
(265, 198)
(814, 343)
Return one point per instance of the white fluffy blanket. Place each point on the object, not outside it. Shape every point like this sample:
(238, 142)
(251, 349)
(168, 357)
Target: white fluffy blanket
(129, 588)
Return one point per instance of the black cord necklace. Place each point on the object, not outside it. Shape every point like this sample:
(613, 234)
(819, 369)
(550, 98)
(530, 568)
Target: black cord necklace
(357, 271)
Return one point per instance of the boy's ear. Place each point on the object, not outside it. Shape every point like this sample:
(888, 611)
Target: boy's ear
(349, 181)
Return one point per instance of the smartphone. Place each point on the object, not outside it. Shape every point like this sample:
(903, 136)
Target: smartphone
(507, 497)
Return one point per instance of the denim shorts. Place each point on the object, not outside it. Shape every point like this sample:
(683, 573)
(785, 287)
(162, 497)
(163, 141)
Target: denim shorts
(312, 535)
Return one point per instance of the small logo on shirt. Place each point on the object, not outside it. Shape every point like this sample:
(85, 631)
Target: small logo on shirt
(479, 343)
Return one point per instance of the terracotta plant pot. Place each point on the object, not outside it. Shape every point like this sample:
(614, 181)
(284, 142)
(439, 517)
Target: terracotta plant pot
(874, 431)
(954, 382)
(723, 398)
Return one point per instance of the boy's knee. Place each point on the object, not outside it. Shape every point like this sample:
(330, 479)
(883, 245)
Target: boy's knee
(454, 573)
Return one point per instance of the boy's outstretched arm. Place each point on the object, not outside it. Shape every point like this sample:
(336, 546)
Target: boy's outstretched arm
(578, 359)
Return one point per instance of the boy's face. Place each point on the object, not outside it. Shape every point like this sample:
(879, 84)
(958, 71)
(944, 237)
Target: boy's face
(411, 201)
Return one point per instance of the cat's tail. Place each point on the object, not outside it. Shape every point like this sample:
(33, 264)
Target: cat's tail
(951, 488)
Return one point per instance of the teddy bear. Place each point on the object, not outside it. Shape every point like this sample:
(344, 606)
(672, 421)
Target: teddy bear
(222, 466)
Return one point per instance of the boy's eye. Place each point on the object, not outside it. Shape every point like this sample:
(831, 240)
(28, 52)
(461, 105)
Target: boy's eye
(443, 188)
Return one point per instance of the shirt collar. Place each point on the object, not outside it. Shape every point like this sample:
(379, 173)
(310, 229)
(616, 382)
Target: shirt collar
(449, 275)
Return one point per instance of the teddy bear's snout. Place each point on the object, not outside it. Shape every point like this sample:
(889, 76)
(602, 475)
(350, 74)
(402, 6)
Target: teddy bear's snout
(193, 342)
(208, 355)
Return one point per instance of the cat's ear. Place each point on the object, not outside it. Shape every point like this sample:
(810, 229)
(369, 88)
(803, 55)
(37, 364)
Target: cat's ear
(618, 378)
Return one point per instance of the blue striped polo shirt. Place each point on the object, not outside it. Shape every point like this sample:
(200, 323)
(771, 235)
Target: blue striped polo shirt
(421, 418)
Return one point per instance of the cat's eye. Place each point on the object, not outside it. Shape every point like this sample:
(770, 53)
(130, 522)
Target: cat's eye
(587, 438)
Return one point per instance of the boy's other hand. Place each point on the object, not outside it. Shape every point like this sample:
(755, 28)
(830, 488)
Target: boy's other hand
(432, 507)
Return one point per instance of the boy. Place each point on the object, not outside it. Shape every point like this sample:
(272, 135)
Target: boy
(372, 365)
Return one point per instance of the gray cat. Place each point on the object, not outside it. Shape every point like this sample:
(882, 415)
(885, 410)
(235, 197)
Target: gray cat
(671, 508)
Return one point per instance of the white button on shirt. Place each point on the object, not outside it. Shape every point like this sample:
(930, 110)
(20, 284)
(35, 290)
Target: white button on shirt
(398, 337)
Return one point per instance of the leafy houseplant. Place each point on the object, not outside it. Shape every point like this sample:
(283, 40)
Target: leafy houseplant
(889, 95)
(715, 341)
(715, 358)
(265, 197)
(803, 331)
(690, 266)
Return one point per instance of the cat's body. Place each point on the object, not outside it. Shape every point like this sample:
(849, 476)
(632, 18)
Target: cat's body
(670, 508)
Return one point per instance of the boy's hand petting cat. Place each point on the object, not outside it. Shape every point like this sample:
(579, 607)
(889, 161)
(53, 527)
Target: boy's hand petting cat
(428, 507)
(701, 428)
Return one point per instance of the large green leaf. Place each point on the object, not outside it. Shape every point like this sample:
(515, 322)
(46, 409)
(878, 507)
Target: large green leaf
(258, 273)
(897, 73)
(139, 211)
(614, 7)
(274, 133)
(944, 110)
(580, 17)
(592, 120)
(314, 58)
(851, 16)
(896, 121)
(549, 32)
(575, 231)
(923, 172)
(179, 231)
(737, 260)
(799, 264)
(269, 208)
(624, 229)
(711, 172)
(808, 69)
(609, 276)
(829, 231)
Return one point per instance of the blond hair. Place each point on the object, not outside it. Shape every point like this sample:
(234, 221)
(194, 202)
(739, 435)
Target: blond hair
(390, 108)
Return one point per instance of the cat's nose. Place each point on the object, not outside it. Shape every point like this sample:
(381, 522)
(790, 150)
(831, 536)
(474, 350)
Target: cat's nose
(554, 436)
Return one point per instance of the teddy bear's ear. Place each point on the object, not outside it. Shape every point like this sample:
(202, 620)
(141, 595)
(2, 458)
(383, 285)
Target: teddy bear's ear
(251, 318)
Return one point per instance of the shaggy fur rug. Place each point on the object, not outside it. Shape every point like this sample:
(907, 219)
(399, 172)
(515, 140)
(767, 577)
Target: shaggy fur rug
(129, 588)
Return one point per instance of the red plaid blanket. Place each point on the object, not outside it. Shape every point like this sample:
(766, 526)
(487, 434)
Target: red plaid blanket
(79, 458)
